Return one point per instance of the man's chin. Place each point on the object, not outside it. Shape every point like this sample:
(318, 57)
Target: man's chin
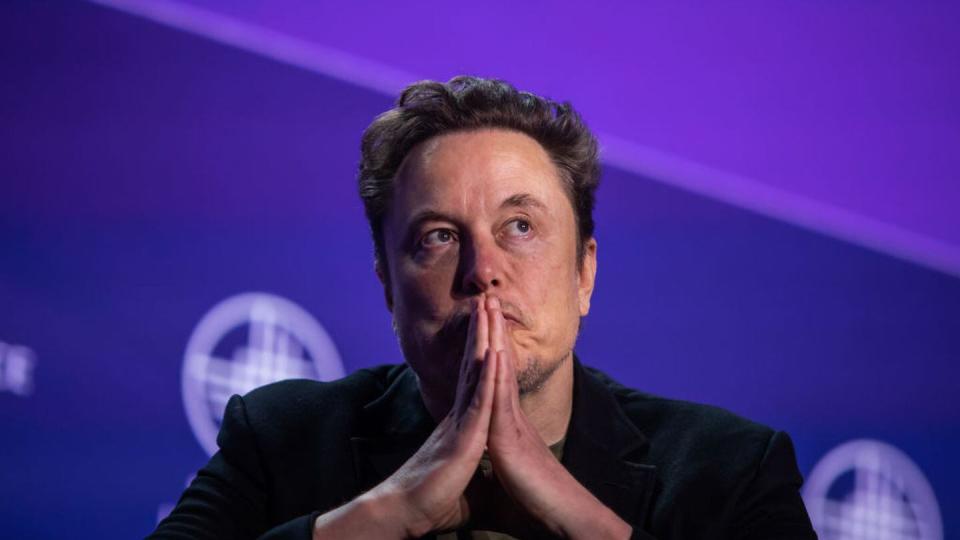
(532, 377)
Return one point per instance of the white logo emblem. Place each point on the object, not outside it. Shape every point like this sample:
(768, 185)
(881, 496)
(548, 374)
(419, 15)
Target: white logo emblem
(16, 369)
(869, 490)
(247, 341)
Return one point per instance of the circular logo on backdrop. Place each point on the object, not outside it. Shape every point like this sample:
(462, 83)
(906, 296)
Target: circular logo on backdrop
(870, 490)
(247, 341)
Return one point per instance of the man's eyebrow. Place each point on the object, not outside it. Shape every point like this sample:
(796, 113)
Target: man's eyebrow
(427, 214)
(519, 200)
(522, 200)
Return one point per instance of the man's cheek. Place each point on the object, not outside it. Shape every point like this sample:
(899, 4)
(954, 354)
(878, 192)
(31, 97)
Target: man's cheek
(420, 299)
(431, 285)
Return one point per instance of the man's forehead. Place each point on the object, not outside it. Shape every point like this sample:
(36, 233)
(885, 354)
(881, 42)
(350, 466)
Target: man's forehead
(490, 167)
(479, 139)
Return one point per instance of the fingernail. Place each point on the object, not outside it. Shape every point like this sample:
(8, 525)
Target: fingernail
(493, 302)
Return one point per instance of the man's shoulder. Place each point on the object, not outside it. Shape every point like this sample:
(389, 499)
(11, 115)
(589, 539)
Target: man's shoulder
(360, 382)
(684, 430)
(287, 403)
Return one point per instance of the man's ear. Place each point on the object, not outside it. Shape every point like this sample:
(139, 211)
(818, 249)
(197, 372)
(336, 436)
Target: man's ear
(587, 275)
(381, 272)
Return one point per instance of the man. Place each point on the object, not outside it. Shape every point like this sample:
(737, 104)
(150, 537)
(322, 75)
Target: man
(480, 203)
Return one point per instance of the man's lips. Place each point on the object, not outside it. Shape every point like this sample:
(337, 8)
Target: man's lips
(512, 314)
(509, 317)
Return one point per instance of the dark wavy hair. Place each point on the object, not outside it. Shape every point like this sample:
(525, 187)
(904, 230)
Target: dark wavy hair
(428, 108)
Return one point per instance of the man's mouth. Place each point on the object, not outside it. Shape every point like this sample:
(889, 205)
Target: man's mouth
(511, 317)
(453, 333)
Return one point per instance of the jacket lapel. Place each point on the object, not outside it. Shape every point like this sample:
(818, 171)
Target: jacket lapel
(603, 450)
(393, 427)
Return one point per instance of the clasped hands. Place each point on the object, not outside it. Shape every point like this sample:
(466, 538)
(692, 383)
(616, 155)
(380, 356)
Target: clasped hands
(429, 493)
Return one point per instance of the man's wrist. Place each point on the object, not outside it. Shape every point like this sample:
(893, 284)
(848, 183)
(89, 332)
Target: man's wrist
(612, 527)
(375, 514)
(390, 508)
(599, 522)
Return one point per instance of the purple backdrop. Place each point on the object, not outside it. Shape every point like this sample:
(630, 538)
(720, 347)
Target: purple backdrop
(148, 174)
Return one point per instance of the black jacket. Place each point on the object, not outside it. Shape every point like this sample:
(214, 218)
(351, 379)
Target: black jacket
(294, 449)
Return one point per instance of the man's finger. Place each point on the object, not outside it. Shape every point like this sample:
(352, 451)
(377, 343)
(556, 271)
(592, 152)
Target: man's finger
(504, 400)
(465, 365)
(475, 349)
(497, 324)
(487, 384)
(481, 338)
(478, 413)
(473, 355)
(509, 368)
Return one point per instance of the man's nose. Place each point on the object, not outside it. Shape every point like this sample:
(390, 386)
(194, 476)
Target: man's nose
(482, 266)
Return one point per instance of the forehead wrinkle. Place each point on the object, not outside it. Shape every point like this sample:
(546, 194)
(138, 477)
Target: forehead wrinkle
(501, 158)
(454, 184)
(456, 210)
(522, 200)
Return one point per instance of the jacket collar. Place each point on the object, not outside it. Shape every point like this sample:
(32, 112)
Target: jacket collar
(391, 429)
(602, 448)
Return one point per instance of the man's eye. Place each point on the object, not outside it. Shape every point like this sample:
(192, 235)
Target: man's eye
(437, 237)
(519, 227)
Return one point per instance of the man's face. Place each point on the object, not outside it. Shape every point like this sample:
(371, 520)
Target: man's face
(483, 212)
